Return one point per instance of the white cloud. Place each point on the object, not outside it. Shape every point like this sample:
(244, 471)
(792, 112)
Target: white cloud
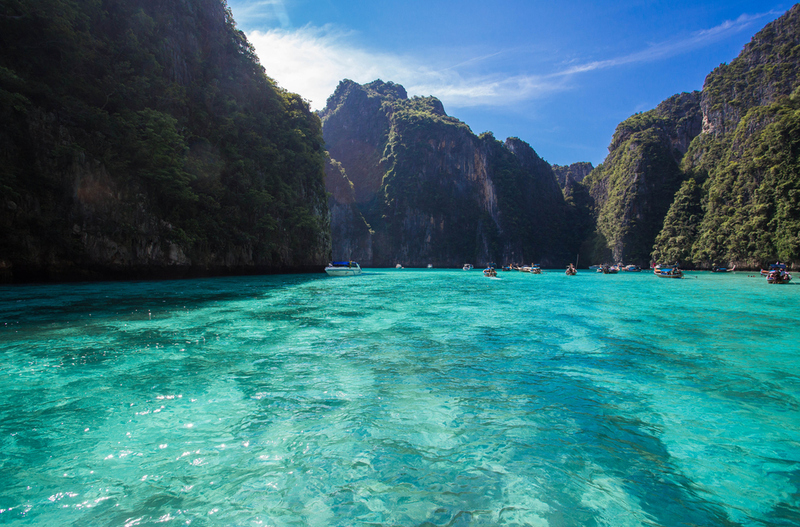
(311, 61)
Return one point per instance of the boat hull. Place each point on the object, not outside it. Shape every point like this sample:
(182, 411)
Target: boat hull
(677, 273)
(343, 270)
(782, 278)
(778, 281)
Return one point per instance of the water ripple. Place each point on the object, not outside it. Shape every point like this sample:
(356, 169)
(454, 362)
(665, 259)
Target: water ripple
(421, 397)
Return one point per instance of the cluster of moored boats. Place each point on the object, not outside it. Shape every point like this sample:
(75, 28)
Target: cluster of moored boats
(614, 269)
(776, 274)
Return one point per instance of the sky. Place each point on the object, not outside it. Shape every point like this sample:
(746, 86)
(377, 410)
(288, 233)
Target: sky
(560, 75)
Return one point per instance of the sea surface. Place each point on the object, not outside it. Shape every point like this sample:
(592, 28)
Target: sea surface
(402, 398)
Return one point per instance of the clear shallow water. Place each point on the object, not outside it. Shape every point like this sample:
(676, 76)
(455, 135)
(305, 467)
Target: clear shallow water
(413, 397)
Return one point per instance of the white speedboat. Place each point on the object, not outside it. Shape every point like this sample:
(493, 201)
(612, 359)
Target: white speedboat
(467, 267)
(343, 269)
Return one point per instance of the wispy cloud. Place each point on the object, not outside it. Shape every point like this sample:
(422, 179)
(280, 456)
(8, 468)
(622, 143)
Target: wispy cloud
(671, 48)
(262, 11)
(311, 61)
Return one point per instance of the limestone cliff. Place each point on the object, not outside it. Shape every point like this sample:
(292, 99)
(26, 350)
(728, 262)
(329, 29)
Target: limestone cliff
(575, 172)
(634, 186)
(435, 193)
(142, 138)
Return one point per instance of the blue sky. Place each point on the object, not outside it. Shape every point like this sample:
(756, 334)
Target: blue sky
(558, 75)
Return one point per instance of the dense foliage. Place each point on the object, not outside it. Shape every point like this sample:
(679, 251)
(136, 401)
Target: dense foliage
(726, 196)
(750, 203)
(745, 209)
(166, 105)
(634, 186)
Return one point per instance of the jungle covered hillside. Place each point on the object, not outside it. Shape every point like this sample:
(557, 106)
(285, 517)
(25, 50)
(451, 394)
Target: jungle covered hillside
(711, 177)
(143, 138)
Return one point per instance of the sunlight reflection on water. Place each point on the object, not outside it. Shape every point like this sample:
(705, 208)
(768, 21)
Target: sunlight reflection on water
(414, 397)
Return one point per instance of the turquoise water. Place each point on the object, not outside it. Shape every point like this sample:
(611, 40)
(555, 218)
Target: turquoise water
(402, 397)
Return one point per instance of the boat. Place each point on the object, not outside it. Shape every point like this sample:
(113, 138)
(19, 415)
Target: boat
(343, 269)
(773, 267)
(778, 274)
(430, 266)
(571, 271)
(595, 267)
(609, 269)
(630, 268)
(667, 271)
(490, 272)
(719, 269)
(398, 266)
(536, 269)
(467, 267)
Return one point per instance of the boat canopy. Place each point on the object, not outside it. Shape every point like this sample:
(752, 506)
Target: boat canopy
(347, 264)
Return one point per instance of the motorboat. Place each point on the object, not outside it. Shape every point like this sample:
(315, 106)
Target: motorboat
(343, 269)
(773, 267)
(719, 269)
(778, 274)
(630, 268)
(571, 271)
(667, 271)
(467, 267)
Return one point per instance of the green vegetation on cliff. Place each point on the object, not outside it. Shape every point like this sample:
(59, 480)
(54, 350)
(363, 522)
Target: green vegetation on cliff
(746, 208)
(634, 186)
(149, 129)
(751, 195)
(433, 192)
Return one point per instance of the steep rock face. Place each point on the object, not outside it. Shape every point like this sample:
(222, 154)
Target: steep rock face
(350, 234)
(433, 192)
(574, 172)
(741, 202)
(143, 139)
(634, 186)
